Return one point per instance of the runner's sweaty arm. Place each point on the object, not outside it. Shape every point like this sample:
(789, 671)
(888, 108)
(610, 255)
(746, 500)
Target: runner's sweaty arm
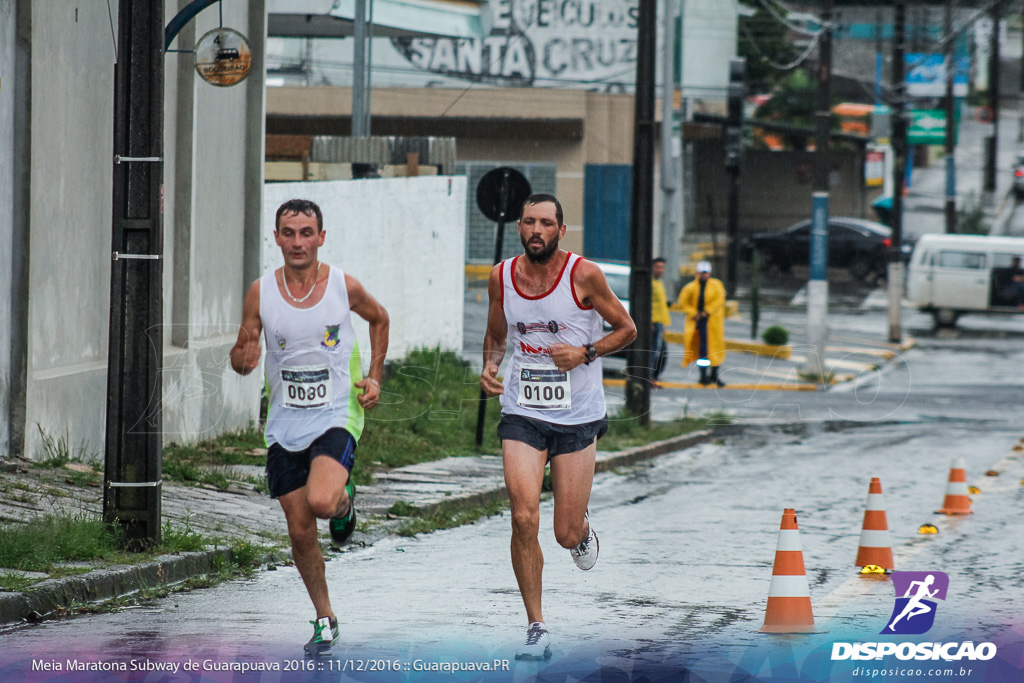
(592, 289)
(369, 309)
(245, 354)
(496, 337)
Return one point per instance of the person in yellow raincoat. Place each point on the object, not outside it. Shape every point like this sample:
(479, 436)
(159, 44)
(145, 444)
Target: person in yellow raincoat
(703, 301)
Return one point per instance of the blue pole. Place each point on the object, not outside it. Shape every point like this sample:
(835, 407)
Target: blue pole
(819, 237)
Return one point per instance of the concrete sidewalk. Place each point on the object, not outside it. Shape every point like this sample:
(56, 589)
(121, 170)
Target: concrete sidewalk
(241, 514)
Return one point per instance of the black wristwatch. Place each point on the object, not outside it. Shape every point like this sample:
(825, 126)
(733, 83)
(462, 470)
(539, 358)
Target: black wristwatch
(591, 354)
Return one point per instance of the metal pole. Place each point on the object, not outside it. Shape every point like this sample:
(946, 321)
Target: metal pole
(638, 387)
(368, 93)
(992, 142)
(817, 286)
(950, 104)
(733, 157)
(499, 240)
(732, 223)
(359, 72)
(899, 146)
(132, 475)
(669, 234)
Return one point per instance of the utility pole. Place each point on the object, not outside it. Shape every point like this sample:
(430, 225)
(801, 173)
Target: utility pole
(733, 157)
(817, 286)
(670, 202)
(638, 386)
(950, 104)
(133, 452)
(992, 142)
(359, 70)
(899, 147)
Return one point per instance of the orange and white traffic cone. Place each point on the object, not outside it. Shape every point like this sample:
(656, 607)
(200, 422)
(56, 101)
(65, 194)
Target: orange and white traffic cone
(875, 547)
(789, 596)
(956, 502)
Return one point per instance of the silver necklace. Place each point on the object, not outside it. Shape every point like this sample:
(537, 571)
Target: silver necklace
(308, 294)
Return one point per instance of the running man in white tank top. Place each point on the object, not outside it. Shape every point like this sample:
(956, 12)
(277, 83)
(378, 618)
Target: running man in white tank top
(552, 304)
(317, 392)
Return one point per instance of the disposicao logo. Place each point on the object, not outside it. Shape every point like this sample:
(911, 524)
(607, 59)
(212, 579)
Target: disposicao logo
(914, 614)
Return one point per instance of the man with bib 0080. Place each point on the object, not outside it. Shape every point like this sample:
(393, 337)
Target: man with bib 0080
(317, 392)
(549, 306)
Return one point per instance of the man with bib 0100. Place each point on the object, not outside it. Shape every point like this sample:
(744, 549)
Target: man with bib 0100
(549, 306)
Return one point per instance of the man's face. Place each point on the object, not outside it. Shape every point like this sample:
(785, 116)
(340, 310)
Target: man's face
(299, 238)
(540, 232)
(658, 269)
(703, 277)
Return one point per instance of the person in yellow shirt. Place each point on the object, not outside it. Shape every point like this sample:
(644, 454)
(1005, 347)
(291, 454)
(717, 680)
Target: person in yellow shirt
(703, 300)
(660, 318)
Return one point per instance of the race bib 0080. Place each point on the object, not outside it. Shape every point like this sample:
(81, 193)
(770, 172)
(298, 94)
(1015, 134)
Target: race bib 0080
(306, 387)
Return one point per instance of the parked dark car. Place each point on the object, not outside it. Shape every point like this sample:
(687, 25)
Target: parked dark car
(853, 243)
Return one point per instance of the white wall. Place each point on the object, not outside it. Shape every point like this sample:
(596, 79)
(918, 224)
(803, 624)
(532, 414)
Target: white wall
(709, 42)
(210, 130)
(402, 238)
(71, 129)
(72, 58)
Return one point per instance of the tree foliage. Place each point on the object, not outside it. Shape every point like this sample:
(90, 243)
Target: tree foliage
(763, 41)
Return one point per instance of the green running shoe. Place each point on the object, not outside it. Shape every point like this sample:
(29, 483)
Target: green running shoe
(342, 527)
(325, 634)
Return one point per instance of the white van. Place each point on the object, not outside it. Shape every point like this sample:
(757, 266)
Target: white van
(954, 274)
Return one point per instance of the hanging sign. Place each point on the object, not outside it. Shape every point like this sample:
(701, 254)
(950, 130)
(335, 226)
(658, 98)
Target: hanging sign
(222, 57)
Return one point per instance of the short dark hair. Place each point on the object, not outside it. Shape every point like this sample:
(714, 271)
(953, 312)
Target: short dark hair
(657, 261)
(540, 198)
(297, 206)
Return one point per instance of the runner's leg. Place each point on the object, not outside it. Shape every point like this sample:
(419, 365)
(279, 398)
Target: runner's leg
(309, 560)
(325, 488)
(524, 477)
(572, 475)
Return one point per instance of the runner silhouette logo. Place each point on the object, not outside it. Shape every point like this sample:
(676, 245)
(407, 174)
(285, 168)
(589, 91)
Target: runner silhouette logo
(916, 593)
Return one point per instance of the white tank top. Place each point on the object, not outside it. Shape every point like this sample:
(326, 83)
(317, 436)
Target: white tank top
(533, 385)
(312, 362)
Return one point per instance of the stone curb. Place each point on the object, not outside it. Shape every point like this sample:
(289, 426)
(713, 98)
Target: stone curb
(606, 461)
(49, 597)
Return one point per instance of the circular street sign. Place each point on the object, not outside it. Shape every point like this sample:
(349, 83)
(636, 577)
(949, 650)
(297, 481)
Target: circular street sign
(488, 193)
(222, 57)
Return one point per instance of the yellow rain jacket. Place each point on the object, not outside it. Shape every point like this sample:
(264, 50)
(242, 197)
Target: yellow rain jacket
(659, 304)
(714, 304)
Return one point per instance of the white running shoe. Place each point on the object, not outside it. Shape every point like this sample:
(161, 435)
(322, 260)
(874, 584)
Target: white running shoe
(537, 645)
(585, 554)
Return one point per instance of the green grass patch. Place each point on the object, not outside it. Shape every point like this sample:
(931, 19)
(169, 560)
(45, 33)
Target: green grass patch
(402, 509)
(58, 451)
(43, 544)
(185, 462)
(428, 411)
(443, 517)
(37, 545)
(10, 581)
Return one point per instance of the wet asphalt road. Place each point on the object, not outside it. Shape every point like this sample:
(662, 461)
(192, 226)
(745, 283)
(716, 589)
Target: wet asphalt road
(687, 540)
(687, 547)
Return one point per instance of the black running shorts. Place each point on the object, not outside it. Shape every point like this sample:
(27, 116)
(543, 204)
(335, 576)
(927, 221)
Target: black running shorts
(554, 438)
(288, 470)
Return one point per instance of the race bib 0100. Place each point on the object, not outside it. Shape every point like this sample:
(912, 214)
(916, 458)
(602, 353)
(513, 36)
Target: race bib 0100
(543, 387)
(306, 387)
